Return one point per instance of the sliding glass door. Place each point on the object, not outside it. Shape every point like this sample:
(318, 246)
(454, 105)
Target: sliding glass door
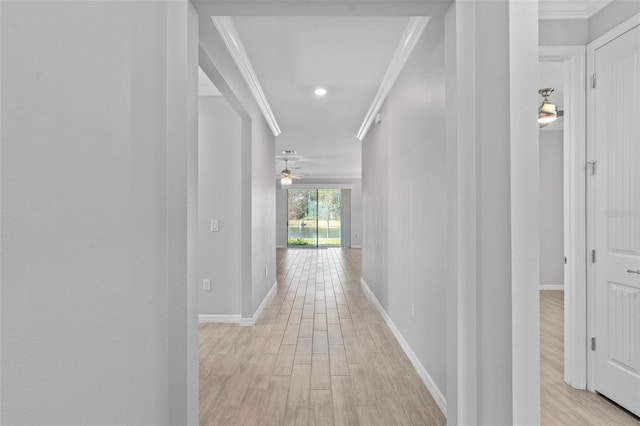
(313, 217)
(302, 220)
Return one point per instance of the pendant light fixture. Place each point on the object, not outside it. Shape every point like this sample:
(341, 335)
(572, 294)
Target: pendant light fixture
(548, 112)
(285, 175)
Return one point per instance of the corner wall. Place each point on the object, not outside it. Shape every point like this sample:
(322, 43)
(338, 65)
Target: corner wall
(281, 217)
(263, 211)
(404, 204)
(551, 209)
(493, 332)
(219, 150)
(257, 152)
(461, 245)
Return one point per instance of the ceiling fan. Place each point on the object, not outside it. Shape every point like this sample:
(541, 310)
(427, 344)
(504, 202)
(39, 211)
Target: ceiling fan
(286, 177)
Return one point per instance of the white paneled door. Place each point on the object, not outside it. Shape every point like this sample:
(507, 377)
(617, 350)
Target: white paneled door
(616, 220)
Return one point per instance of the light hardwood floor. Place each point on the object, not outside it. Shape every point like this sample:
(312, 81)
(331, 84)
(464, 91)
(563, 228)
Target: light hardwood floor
(320, 355)
(561, 404)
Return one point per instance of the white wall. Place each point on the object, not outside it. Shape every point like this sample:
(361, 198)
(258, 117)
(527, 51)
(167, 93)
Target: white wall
(345, 218)
(356, 214)
(263, 211)
(219, 140)
(257, 152)
(281, 217)
(96, 156)
(404, 204)
(551, 208)
(558, 32)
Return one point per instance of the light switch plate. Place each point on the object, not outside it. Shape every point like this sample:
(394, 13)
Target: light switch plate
(206, 285)
(215, 226)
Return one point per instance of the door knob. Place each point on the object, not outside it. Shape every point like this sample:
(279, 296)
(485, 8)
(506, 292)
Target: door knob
(631, 271)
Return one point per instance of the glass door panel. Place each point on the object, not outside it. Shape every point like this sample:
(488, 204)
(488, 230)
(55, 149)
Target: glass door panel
(302, 213)
(329, 207)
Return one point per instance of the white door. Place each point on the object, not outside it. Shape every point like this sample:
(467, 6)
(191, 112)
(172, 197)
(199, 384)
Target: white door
(616, 220)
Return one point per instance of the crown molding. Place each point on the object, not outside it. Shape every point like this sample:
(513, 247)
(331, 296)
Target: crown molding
(231, 39)
(567, 10)
(409, 39)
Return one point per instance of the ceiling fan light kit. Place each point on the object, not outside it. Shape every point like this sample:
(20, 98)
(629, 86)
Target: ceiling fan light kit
(285, 175)
(548, 112)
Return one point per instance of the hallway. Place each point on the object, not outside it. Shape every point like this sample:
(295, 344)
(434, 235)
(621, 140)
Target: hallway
(320, 354)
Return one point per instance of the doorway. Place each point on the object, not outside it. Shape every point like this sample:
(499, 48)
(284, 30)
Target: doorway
(314, 218)
(571, 59)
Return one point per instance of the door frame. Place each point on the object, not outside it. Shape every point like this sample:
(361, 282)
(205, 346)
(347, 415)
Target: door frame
(574, 150)
(607, 37)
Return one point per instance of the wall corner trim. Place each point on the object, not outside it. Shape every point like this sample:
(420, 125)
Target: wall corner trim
(422, 372)
(220, 319)
(249, 322)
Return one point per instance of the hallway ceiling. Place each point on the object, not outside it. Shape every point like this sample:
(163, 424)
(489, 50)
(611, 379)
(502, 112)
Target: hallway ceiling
(345, 48)
(292, 56)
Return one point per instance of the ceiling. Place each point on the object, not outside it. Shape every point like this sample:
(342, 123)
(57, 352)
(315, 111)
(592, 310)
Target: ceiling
(348, 56)
(292, 56)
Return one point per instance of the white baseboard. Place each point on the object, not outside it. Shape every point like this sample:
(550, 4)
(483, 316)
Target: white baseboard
(354, 246)
(551, 287)
(251, 321)
(247, 322)
(231, 319)
(281, 246)
(238, 319)
(424, 375)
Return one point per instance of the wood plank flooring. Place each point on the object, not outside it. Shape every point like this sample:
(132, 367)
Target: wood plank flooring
(560, 403)
(320, 355)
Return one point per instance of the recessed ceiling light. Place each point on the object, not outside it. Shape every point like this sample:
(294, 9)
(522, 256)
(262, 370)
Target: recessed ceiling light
(320, 91)
(288, 152)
